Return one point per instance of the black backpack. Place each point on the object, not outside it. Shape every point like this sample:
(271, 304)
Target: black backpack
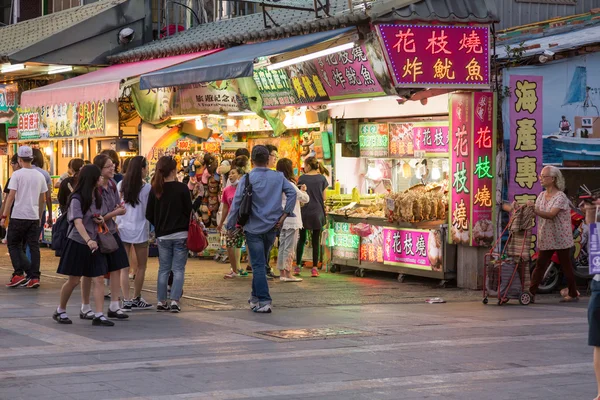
(246, 203)
(60, 232)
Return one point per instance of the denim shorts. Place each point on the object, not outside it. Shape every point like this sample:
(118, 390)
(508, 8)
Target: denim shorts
(594, 315)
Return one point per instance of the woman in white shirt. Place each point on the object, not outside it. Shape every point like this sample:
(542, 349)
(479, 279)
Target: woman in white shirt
(134, 227)
(288, 237)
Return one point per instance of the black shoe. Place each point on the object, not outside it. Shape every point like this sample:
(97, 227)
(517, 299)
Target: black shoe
(175, 308)
(88, 315)
(163, 307)
(271, 275)
(107, 296)
(140, 304)
(102, 321)
(249, 268)
(58, 317)
(119, 314)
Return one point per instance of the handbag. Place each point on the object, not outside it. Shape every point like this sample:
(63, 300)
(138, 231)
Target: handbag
(106, 240)
(197, 241)
(246, 203)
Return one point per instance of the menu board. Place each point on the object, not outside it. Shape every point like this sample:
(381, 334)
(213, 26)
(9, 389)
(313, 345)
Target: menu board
(413, 248)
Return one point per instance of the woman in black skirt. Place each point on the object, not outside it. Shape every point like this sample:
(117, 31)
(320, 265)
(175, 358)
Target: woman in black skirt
(80, 257)
(118, 262)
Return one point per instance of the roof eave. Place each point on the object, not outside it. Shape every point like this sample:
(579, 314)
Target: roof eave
(325, 24)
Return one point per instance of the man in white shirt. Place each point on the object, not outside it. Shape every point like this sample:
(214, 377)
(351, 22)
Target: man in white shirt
(27, 192)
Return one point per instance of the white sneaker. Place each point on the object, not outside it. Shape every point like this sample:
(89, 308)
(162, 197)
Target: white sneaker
(264, 309)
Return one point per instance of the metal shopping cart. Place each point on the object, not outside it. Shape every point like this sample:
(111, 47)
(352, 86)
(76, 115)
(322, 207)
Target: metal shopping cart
(506, 273)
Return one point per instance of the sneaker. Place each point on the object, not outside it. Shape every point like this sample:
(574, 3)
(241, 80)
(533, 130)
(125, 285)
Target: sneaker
(140, 304)
(61, 318)
(119, 314)
(253, 305)
(33, 284)
(102, 321)
(297, 271)
(230, 275)
(127, 305)
(314, 273)
(175, 308)
(16, 280)
(162, 307)
(266, 309)
(241, 272)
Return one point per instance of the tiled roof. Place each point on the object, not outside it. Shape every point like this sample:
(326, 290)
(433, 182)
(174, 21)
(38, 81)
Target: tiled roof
(14, 38)
(482, 11)
(249, 28)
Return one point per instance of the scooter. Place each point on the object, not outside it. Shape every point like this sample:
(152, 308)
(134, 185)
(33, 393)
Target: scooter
(553, 276)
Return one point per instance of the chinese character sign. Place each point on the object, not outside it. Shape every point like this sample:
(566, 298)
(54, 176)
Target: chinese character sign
(371, 247)
(373, 140)
(348, 73)
(401, 139)
(525, 137)
(431, 137)
(8, 104)
(274, 87)
(13, 134)
(483, 167)
(91, 118)
(211, 97)
(58, 121)
(461, 134)
(414, 248)
(437, 55)
(306, 83)
(345, 244)
(28, 125)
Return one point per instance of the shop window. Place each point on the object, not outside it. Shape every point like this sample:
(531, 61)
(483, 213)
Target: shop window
(61, 5)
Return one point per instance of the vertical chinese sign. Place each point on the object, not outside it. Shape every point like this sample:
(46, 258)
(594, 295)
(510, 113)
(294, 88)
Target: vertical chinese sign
(483, 167)
(525, 138)
(423, 55)
(373, 140)
(91, 118)
(461, 134)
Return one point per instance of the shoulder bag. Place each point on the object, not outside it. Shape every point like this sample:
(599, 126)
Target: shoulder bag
(197, 241)
(246, 203)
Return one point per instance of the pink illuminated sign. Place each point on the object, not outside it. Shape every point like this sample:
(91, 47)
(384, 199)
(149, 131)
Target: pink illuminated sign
(437, 55)
(413, 248)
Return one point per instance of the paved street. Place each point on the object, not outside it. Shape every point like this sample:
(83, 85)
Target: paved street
(328, 338)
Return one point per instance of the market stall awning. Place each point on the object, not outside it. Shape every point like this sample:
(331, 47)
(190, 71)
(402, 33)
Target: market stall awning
(235, 62)
(100, 85)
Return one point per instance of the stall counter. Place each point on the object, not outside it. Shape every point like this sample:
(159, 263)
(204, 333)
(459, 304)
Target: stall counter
(417, 249)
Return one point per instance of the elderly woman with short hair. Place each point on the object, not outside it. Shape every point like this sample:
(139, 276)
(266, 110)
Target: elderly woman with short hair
(554, 231)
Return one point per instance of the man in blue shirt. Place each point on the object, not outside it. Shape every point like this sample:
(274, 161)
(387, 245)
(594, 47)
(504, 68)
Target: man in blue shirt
(265, 220)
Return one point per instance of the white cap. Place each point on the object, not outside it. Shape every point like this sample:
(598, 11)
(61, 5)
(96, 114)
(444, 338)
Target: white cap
(25, 152)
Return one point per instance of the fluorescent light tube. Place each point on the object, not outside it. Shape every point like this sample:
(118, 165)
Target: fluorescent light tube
(12, 68)
(58, 70)
(311, 56)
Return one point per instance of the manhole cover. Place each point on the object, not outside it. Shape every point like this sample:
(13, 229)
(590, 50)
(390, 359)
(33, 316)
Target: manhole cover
(292, 334)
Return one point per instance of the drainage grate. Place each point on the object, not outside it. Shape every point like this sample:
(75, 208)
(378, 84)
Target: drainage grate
(313, 333)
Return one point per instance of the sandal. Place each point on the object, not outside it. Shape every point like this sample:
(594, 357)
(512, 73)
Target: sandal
(61, 318)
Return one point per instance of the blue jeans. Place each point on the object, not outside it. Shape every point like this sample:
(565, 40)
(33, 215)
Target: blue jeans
(172, 256)
(259, 246)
